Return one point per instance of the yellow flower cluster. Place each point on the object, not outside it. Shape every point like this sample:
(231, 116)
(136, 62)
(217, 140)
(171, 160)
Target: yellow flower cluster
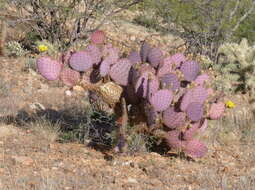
(230, 104)
(42, 48)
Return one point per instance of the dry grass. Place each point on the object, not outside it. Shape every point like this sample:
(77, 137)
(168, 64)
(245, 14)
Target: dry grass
(45, 129)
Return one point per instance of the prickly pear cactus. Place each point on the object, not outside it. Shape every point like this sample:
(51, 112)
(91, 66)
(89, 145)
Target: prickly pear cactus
(174, 96)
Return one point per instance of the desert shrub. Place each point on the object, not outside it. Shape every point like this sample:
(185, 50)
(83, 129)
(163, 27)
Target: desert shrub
(236, 63)
(15, 49)
(63, 22)
(205, 24)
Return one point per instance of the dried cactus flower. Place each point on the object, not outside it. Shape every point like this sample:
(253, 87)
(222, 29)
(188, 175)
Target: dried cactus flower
(173, 119)
(161, 100)
(119, 72)
(97, 37)
(110, 92)
(216, 110)
(69, 76)
(49, 68)
(195, 149)
(155, 56)
(81, 61)
(190, 70)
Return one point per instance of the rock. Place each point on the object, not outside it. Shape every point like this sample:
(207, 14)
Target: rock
(24, 160)
(68, 93)
(132, 180)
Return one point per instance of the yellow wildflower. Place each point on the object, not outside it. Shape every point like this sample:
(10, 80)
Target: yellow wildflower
(42, 48)
(230, 104)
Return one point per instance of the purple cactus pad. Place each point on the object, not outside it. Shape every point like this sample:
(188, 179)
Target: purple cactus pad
(195, 149)
(81, 61)
(119, 72)
(173, 139)
(161, 100)
(173, 119)
(134, 57)
(192, 131)
(144, 51)
(195, 111)
(197, 94)
(201, 79)
(155, 56)
(49, 68)
(95, 53)
(69, 76)
(170, 81)
(190, 70)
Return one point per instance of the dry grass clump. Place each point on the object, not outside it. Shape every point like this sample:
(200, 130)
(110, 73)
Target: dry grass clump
(45, 129)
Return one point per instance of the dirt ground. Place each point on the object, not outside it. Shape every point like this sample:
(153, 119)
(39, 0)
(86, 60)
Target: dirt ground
(31, 158)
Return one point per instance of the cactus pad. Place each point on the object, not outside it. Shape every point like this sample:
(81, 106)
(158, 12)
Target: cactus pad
(97, 37)
(104, 67)
(49, 68)
(119, 72)
(81, 61)
(192, 131)
(95, 53)
(177, 59)
(153, 86)
(173, 119)
(173, 139)
(134, 57)
(155, 56)
(195, 111)
(216, 110)
(69, 76)
(144, 51)
(170, 81)
(141, 86)
(201, 79)
(190, 70)
(197, 94)
(195, 149)
(161, 100)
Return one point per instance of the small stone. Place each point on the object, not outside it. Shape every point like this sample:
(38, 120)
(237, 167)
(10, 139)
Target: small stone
(132, 180)
(24, 160)
(68, 93)
(132, 38)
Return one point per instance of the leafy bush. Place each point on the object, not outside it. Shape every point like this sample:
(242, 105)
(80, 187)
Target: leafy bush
(63, 22)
